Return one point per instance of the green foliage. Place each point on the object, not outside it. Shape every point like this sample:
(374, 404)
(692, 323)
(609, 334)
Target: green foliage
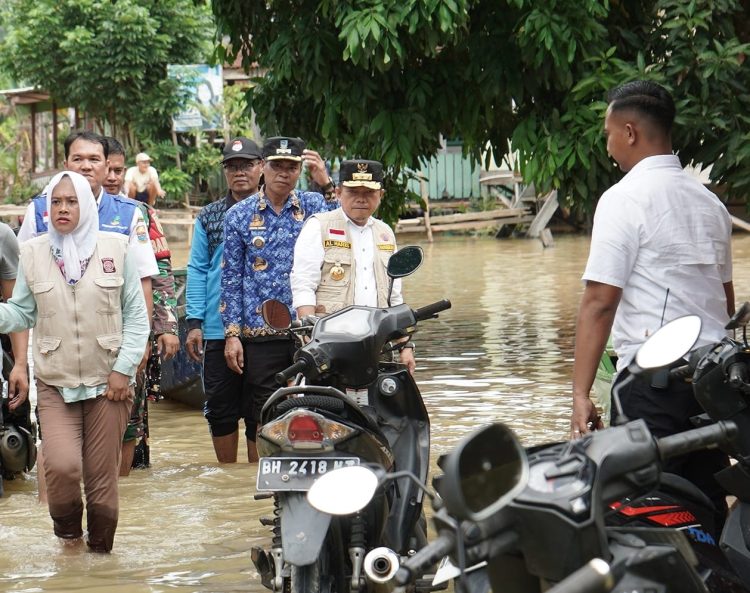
(106, 58)
(204, 161)
(176, 183)
(384, 79)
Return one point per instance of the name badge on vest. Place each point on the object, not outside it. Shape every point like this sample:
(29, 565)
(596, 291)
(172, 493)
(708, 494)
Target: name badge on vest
(108, 265)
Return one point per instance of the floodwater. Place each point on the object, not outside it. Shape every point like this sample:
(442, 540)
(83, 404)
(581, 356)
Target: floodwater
(502, 353)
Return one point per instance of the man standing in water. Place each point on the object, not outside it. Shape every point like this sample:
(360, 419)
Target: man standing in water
(660, 249)
(341, 257)
(163, 323)
(259, 237)
(242, 164)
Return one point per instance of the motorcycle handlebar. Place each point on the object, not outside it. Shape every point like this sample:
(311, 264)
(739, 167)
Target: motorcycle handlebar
(425, 558)
(431, 310)
(289, 372)
(699, 438)
(593, 577)
(737, 375)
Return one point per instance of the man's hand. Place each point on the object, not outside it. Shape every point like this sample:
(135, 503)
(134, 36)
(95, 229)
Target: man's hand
(194, 344)
(18, 385)
(233, 354)
(168, 345)
(584, 411)
(118, 387)
(144, 360)
(407, 358)
(317, 167)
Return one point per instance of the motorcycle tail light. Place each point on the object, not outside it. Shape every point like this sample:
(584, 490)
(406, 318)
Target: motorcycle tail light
(302, 429)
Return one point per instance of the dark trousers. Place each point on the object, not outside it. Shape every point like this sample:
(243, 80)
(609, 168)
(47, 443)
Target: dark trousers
(230, 396)
(668, 411)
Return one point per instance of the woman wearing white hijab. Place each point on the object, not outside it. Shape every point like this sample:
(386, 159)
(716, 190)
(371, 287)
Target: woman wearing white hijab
(81, 293)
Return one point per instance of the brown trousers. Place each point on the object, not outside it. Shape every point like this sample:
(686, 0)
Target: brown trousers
(82, 440)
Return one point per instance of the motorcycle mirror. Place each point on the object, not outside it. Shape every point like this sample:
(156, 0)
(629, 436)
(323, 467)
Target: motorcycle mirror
(276, 314)
(740, 318)
(484, 473)
(405, 261)
(343, 491)
(668, 344)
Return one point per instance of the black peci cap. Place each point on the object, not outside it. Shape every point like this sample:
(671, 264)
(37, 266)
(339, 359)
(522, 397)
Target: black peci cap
(282, 147)
(361, 173)
(241, 148)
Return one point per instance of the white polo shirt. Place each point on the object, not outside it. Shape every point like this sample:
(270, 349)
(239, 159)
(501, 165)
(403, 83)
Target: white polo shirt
(663, 238)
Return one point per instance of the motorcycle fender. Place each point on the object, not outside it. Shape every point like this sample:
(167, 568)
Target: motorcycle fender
(303, 529)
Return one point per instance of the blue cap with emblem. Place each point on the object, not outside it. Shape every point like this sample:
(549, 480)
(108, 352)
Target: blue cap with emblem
(282, 147)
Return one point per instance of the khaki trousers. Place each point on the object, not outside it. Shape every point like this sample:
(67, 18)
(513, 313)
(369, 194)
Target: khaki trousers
(82, 440)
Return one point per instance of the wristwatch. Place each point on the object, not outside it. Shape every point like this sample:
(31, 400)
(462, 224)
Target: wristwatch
(328, 190)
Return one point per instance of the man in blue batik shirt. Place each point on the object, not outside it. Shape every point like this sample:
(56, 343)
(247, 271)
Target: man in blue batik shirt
(259, 237)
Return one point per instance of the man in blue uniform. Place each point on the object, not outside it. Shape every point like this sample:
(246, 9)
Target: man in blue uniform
(259, 237)
(242, 164)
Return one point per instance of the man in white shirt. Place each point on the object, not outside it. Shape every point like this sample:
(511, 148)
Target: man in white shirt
(660, 249)
(142, 181)
(340, 257)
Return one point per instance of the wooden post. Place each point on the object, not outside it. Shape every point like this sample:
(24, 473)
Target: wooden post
(426, 198)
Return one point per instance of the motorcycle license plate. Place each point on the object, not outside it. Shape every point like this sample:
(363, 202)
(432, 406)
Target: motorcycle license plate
(289, 473)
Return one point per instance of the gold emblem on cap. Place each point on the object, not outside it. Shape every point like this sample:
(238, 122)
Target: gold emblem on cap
(259, 264)
(362, 167)
(258, 241)
(337, 272)
(361, 176)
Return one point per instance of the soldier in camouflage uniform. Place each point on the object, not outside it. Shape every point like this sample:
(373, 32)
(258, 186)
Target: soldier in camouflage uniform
(164, 341)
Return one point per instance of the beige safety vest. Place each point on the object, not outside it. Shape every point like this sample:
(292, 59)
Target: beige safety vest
(336, 288)
(78, 331)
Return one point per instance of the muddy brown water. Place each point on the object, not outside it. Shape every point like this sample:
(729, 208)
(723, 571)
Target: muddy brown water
(502, 353)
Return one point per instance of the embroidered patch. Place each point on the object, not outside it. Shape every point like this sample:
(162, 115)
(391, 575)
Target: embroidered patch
(336, 232)
(108, 265)
(386, 247)
(141, 232)
(332, 243)
(237, 146)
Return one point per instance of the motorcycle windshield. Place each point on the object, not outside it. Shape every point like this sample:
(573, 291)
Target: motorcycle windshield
(354, 323)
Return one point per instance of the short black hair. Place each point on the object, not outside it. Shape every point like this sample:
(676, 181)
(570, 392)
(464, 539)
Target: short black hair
(114, 146)
(89, 137)
(648, 99)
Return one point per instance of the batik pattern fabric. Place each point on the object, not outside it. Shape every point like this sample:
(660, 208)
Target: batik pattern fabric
(258, 255)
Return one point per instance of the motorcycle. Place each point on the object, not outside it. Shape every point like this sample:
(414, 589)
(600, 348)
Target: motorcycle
(353, 407)
(17, 432)
(540, 517)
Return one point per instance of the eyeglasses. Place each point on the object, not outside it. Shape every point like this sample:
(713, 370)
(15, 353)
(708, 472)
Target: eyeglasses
(244, 166)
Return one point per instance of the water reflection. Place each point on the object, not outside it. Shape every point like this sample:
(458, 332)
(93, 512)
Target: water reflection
(502, 353)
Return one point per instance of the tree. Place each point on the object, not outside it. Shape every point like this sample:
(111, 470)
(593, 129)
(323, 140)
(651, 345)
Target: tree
(107, 57)
(384, 78)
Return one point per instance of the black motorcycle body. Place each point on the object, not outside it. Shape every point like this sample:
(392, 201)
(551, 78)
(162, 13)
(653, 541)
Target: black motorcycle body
(17, 432)
(604, 496)
(353, 409)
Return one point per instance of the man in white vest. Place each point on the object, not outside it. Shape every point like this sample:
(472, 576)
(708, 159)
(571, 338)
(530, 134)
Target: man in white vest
(340, 257)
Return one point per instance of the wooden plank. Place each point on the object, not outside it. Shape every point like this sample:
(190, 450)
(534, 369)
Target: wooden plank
(484, 215)
(740, 224)
(545, 214)
(464, 226)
